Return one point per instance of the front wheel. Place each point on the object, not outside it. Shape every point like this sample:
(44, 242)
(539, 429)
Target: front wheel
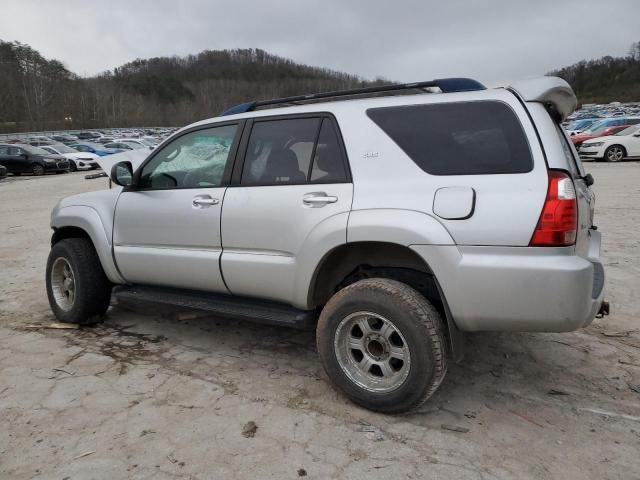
(37, 169)
(77, 287)
(614, 153)
(72, 166)
(381, 343)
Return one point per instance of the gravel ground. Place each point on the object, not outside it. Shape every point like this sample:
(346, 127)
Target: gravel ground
(167, 394)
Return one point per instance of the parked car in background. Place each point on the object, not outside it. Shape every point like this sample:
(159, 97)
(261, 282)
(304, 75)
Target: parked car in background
(87, 135)
(135, 142)
(40, 143)
(77, 160)
(96, 148)
(613, 148)
(24, 158)
(66, 139)
(577, 140)
(120, 146)
(579, 126)
(3, 172)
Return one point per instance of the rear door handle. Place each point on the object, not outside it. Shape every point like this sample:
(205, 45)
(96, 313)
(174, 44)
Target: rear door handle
(204, 201)
(318, 199)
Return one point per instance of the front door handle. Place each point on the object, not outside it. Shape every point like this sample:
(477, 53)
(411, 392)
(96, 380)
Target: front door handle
(204, 201)
(318, 199)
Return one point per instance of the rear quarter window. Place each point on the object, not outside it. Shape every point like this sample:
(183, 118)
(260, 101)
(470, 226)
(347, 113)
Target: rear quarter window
(463, 138)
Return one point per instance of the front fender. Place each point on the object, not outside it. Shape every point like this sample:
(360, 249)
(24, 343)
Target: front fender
(87, 219)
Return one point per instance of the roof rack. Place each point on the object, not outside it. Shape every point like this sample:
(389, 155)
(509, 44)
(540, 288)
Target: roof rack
(446, 85)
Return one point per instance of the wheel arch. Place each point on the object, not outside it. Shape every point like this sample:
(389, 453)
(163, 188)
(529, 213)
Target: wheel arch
(351, 262)
(80, 221)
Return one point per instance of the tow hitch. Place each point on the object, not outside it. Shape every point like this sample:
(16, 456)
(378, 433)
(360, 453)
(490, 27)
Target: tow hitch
(604, 309)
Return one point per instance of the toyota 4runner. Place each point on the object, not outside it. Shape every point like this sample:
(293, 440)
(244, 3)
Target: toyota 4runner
(390, 221)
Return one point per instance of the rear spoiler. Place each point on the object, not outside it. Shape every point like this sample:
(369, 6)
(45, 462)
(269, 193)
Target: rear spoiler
(548, 90)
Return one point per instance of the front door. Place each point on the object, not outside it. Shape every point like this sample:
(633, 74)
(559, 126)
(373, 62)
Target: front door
(167, 226)
(294, 189)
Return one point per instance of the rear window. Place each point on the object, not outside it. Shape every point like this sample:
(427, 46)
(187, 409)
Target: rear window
(464, 138)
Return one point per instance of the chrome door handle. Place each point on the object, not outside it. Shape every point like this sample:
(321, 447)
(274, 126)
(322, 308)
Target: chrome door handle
(204, 201)
(318, 199)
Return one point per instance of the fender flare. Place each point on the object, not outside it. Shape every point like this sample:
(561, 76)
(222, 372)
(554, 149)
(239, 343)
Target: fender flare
(87, 219)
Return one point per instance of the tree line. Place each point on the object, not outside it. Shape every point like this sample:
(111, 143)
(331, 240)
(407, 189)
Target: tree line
(41, 94)
(606, 79)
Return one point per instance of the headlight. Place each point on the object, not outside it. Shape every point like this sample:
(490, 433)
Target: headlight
(594, 144)
(49, 160)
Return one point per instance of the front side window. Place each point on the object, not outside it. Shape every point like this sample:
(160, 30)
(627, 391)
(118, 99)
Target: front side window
(462, 138)
(196, 159)
(292, 152)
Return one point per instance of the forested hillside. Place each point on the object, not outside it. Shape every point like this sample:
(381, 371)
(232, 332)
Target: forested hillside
(37, 94)
(607, 79)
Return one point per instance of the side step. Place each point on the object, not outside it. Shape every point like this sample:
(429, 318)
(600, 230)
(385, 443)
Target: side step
(229, 306)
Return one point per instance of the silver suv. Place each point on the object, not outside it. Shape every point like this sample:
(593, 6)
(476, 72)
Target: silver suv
(391, 223)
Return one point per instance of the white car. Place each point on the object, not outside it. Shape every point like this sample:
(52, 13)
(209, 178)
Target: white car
(613, 148)
(77, 160)
(135, 143)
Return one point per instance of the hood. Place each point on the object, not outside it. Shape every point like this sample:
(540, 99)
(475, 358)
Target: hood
(605, 139)
(136, 157)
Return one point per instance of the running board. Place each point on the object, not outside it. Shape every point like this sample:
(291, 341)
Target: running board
(229, 306)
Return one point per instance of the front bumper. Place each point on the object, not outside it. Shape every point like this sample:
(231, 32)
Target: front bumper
(86, 164)
(527, 289)
(59, 166)
(587, 152)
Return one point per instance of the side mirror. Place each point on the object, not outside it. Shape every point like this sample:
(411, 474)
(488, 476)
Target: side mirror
(122, 174)
(24, 156)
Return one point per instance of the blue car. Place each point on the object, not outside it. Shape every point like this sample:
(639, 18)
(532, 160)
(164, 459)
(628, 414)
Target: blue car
(95, 148)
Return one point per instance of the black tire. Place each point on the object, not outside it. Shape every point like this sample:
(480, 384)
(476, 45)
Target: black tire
(615, 153)
(72, 166)
(92, 289)
(37, 169)
(415, 319)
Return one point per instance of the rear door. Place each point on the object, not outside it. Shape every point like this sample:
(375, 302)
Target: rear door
(293, 178)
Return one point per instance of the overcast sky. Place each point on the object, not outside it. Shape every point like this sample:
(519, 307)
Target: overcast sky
(491, 40)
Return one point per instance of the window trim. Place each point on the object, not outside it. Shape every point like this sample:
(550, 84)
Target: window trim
(226, 176)
(515, 114)
(236, 176)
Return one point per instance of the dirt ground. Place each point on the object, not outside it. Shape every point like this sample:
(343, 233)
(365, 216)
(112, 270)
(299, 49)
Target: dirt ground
(169, 394)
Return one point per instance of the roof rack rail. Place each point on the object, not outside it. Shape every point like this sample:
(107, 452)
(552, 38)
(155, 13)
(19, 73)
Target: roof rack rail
(446, 85)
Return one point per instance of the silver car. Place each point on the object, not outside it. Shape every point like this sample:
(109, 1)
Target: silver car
(390, 223)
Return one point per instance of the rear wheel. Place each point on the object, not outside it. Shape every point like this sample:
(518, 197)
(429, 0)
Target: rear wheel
(615, 153)
(381, 343)
(37, 169)
(77, 287)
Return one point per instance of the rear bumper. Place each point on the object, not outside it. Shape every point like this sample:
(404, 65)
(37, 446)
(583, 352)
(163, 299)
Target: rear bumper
(519, 288)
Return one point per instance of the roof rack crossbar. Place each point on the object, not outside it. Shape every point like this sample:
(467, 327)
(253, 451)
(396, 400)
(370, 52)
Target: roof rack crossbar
(446, 85)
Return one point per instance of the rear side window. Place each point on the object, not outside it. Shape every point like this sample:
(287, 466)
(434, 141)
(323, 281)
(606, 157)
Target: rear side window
(464, 138)
(293, 152)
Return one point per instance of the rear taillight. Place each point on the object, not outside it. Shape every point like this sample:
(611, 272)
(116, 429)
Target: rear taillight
(559, 218)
